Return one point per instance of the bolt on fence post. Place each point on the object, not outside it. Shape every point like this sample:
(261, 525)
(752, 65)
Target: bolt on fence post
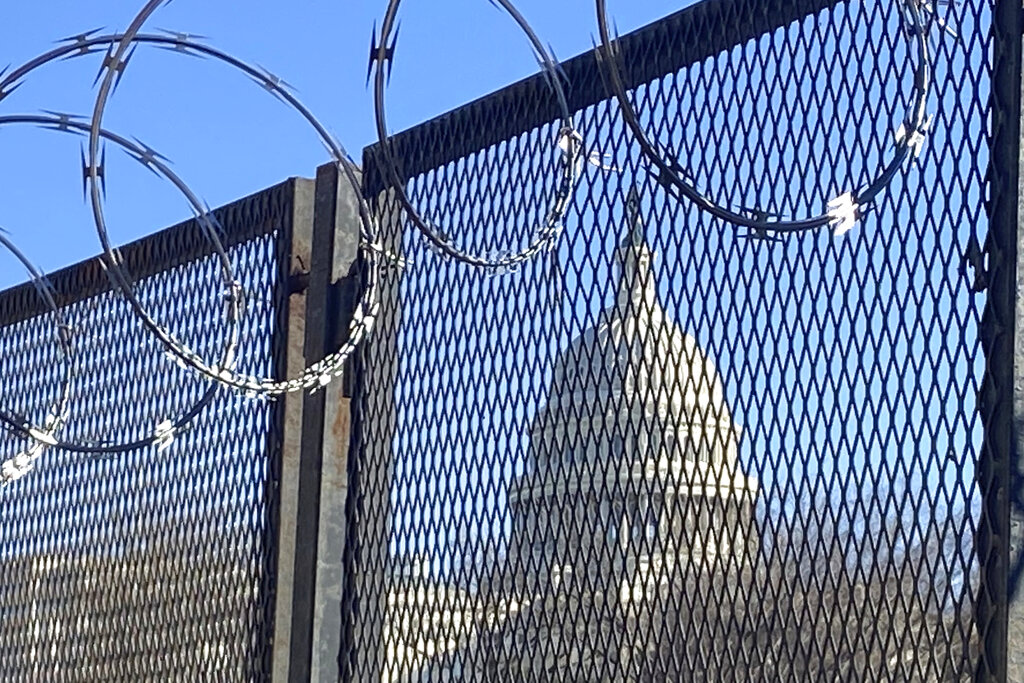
(999, 321)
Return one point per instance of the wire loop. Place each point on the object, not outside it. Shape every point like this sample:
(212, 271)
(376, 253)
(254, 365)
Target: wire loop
(841, 212)
(569, 141)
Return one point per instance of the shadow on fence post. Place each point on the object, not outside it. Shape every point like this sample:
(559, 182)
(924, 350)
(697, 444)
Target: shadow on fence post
(367, 553)
(998, 330)
(337, 215)
(289, 468)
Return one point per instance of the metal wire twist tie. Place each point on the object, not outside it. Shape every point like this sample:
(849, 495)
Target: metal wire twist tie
(164, 435)
(843, 213)
(915, 139)
(389, 256)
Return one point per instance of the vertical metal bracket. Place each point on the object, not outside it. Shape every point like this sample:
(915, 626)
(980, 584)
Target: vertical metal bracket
(290, 467)
(314, 459)
(338, 209)
(999, 398)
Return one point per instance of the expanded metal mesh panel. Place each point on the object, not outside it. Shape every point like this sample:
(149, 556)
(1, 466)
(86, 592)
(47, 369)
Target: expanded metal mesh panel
(156, 564)
(670, 450)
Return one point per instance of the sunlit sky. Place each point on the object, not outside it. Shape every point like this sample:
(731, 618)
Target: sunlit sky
(226, 136)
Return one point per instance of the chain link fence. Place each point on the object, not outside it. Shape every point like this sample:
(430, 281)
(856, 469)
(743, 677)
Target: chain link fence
(157, 563)
(672, 448)
(669, 448)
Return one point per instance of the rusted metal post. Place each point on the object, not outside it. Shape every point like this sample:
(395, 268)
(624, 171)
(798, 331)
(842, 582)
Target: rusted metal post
(307, 512)
(337, 206)
(314, 464)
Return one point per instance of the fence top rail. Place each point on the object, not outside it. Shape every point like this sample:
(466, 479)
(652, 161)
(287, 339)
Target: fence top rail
(686, 37)
(241, 220)
(683, 38)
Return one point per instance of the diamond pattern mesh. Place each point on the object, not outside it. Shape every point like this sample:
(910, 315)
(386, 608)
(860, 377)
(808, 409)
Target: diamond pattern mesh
(671, 450)
(154, 564)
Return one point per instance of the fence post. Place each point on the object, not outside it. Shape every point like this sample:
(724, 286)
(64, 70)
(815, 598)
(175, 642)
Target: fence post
(363, 653)
(295, 319)
(1015, 625)
(314, 461)
(1015, 617)
(997, 399)
(338, 211)
(315, 444)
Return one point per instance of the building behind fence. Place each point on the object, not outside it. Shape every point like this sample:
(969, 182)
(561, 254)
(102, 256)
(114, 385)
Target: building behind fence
(669, 449)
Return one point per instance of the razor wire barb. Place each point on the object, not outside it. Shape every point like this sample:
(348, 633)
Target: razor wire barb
(40, 436)
(919, 20)
(841, 212)
(568, 141)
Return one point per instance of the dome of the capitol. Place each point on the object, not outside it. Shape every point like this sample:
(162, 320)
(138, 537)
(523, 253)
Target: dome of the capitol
(632, 492)
(634, 397)
(634, 552)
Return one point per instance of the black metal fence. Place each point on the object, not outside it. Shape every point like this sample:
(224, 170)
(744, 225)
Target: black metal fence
(159, 563)
(667, 449)
(673, 449)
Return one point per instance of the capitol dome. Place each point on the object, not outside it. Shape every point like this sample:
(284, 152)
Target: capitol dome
(631, 494)
(632, 489)
(634, 398)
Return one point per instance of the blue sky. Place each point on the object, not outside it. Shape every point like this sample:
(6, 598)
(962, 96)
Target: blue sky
(852, 362)
(226, 137)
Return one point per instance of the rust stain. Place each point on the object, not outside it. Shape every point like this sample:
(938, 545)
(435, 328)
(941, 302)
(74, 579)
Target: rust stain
(341, 427)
